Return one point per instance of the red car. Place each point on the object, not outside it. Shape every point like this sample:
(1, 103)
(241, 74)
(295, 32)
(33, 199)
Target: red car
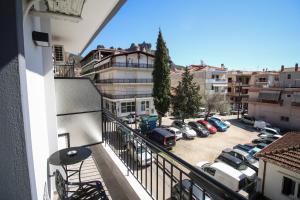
(207, 125)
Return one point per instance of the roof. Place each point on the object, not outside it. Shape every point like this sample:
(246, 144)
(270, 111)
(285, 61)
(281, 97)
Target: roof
(228, 170)
(284, 152)
(205, 67)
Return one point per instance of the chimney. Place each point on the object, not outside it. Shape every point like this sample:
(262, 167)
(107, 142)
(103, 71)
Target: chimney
(222, 66)
(282, 68)
(296, 67)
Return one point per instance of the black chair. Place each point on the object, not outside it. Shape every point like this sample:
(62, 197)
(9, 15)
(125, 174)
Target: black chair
(92, 190)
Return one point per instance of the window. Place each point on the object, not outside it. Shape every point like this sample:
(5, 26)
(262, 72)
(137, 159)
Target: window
(289, 76)
(288, 186)
(229, 89)
(107, 106)
(211, 171)
(212, 87)
(127, 107)
(288, 95)
(144, 105)
(213, 76)
(283, 118)
(229, 80)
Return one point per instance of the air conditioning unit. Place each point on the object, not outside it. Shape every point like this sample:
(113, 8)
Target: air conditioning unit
(59, 54)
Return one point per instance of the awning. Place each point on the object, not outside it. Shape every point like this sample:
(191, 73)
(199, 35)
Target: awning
(269, 95)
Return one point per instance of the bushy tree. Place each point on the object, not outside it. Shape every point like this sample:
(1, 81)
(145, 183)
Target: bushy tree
(213, 102)
(187, 99)
(161, 78)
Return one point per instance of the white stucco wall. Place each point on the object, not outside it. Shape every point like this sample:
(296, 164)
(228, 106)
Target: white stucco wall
(273, 180)
(41, 105)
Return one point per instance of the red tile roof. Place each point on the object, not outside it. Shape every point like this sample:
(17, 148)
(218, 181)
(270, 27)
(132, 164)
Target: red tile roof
(284, 152)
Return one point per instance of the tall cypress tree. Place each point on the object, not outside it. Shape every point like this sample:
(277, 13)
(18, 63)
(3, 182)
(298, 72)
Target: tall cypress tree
(161, 78)
(187, 100)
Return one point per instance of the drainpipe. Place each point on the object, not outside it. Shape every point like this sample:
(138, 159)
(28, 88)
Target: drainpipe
(264, 176)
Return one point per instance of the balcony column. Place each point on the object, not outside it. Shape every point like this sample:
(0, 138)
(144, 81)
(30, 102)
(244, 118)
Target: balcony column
(14, 170)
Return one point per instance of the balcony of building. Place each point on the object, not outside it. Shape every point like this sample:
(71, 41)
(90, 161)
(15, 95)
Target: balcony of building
(216, 81)
(124, 65)
(126, 96)
(124, 81)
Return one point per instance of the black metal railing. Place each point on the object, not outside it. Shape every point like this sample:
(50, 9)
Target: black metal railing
(125, 81)
(64, 71)
(162, 174)
(126, 96)
(117, 64)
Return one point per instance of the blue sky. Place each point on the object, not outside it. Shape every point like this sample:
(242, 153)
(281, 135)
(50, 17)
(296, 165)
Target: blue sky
(242, 34)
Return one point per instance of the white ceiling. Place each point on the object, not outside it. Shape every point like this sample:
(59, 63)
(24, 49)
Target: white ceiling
(76, 36)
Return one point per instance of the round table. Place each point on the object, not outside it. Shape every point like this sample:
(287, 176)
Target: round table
(70, 156)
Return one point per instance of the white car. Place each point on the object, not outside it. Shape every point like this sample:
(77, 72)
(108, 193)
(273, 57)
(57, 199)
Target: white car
(260, 124)
(272, 131)
(140, 153)
(176, 132)
(237, 164)
(225, 174)
(187, 131)
(219, 119)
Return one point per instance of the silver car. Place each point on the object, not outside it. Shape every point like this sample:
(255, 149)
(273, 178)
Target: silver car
(187, 131)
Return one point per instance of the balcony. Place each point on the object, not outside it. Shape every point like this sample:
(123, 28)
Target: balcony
(118, 64)
(149, 172)
(216, 81)
(124, 81)
(126, 96)
(64, 70)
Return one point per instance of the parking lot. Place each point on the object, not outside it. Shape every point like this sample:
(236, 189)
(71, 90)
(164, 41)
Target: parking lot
(207, 149)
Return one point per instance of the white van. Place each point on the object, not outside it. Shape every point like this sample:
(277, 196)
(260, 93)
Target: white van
(225, 174)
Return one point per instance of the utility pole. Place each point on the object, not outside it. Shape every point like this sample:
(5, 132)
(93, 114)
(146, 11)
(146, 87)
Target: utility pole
(239, 100)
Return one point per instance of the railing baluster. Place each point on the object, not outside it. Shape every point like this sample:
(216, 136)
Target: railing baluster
(156, 175)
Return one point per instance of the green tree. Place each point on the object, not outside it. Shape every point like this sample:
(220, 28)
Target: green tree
(187, 99)
(161, 78)
(213, 102)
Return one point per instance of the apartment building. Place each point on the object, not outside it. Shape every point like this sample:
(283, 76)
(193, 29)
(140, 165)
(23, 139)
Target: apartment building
(212, 80)
(238, 86)
(124, 78)
(278, 103)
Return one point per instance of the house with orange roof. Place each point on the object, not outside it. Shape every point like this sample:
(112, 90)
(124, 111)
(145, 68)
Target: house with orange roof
(279, 168)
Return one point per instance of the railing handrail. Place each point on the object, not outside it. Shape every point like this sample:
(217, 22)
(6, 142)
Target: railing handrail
(125, 80)
(227, 192)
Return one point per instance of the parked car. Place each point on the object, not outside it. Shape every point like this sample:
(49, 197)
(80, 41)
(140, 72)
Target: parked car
(219, 119)
(237, 164)
(263, 140)
(139, 153)
(270, 136)
(208, 126)
(248, 159)
(225, 174)
(162, 137)
(219, 125)
(201, 113)
(244, 147)
(187, 131)
(270, 131)
(176, 132)
(199, 128)
(185, 185)
(248, 120)
(260, 124)
(257, 148)
(130, 119)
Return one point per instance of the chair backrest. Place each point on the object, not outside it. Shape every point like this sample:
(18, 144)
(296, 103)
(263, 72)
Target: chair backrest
(60, 184)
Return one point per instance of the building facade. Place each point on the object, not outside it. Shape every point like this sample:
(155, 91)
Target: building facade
(279, 169)
(279, 102)
(238, 86)
(124, 78)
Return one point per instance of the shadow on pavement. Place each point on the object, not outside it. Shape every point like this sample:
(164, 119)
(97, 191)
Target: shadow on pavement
(238, 123)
